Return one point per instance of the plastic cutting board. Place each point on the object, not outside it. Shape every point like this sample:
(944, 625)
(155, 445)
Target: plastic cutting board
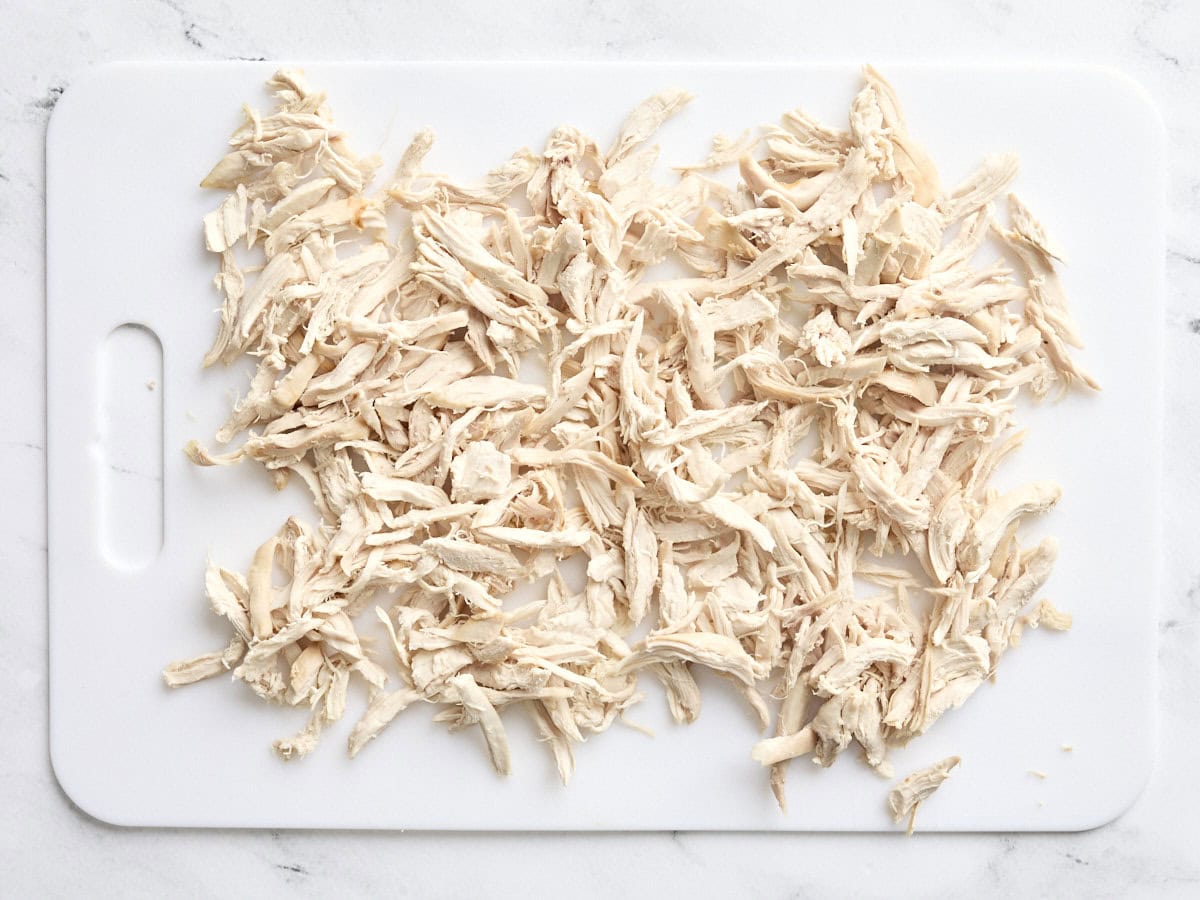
(131, 312)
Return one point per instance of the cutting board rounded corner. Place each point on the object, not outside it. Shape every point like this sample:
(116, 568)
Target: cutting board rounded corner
(1120, 803)
(1128, 88)
(78, 789)
(93, 80)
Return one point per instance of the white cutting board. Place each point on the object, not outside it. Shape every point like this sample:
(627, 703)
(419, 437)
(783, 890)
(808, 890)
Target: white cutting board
(126, 148)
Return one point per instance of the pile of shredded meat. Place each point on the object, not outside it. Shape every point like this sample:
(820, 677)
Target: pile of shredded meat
(819, 400)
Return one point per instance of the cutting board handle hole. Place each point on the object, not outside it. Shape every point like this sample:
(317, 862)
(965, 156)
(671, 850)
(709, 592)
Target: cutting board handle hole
(131, 447)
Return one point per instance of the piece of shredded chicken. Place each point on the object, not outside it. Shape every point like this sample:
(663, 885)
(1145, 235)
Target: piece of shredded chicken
(907, 797)
(822, 396)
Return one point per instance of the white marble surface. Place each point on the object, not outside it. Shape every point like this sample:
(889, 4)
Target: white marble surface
(48, 848)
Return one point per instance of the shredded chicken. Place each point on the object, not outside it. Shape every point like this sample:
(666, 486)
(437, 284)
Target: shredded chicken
(827, 390)
(907, 797)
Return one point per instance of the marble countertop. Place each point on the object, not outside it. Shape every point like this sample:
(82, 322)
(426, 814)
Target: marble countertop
(49, 848)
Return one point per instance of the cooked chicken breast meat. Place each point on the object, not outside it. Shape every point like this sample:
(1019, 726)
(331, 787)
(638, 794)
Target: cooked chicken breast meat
(818, 402)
